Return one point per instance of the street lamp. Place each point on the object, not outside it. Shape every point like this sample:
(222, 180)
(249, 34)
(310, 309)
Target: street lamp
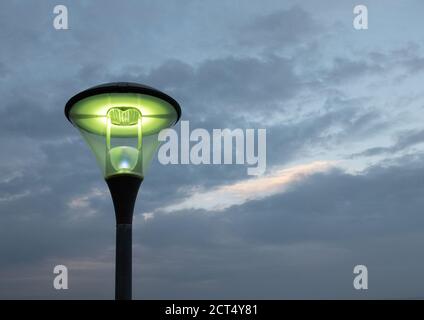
(121, 122)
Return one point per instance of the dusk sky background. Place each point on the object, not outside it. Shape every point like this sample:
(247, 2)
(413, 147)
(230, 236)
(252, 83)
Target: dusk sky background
(344, 184)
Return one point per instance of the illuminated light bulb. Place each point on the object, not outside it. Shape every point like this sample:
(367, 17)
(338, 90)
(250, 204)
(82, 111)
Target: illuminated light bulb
(123, 158)
(124, 116)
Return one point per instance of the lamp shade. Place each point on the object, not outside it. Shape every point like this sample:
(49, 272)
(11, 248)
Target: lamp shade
(121, 122)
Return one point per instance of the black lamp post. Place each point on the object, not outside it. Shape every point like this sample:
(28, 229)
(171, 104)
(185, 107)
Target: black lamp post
(121, 122)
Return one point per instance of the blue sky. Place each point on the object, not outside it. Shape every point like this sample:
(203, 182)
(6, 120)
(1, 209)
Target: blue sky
(345, 174)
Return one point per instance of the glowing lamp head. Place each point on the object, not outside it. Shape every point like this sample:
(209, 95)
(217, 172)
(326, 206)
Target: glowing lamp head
(121, 123)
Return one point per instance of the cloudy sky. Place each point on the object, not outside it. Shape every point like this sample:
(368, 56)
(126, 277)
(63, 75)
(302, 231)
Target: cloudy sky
(344, 184)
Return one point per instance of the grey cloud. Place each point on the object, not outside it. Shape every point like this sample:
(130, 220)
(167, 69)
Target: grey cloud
(27, 117)
(278, 29)
(409, 57)
(232, 85)
(338, 203)
(403, 141)
(345, 69)
(345, 221)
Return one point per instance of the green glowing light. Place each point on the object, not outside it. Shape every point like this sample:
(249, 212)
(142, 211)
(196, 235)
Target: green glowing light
(123, 116)
(122, 129)
(90, 113)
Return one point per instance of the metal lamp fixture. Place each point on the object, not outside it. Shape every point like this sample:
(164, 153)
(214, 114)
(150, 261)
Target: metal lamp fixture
(121, 122)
